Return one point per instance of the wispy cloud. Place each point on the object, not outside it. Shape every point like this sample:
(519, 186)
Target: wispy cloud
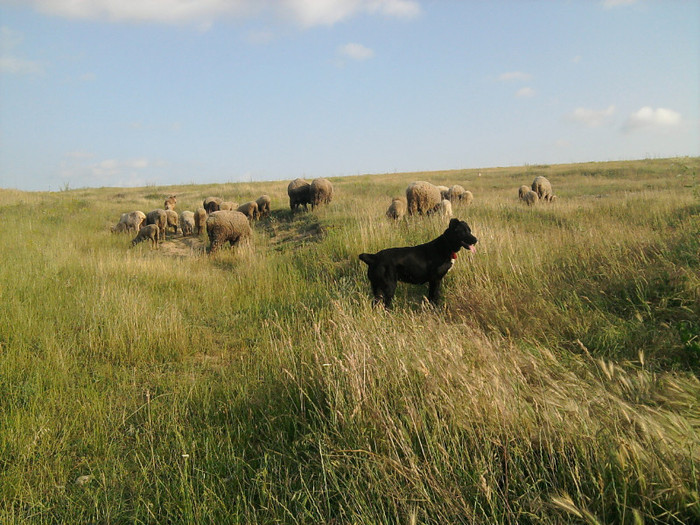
(355, 51)
(514, 75)
(307, 13)
(650, 118)
(10, 62)
(591, 117)
(526, 92)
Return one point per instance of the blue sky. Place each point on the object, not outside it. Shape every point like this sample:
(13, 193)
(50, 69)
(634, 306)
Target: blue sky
(156, 92)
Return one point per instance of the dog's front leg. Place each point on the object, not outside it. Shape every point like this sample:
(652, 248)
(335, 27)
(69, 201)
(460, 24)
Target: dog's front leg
(434, 290)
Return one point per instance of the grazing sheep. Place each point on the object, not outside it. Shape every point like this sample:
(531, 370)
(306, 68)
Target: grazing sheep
(170, 203)
(299, 192)
(522, 190)
(211, 204)
(200, 221)
(151, 232)
(223, 226)
(457, 193)
(543, 188)
(444, 191)
(422, 198)
(264, 205)
(249, 209)
(132, 220)
(321, 192)
(159, 218)
(445, 208)
(187, 222)
(228, 205)
(173, 219)
(397, 209)
(531, 198)
(467, 198)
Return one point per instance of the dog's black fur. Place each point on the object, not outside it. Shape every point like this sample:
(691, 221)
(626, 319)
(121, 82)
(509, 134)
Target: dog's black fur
(427, 262)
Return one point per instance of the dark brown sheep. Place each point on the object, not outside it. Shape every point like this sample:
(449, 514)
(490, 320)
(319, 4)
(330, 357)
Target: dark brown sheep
(227, 226)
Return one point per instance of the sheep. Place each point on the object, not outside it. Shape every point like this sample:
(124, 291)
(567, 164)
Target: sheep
(264, 204)
(543, 188)
(422, 197)
(531, 198)
(132, 220)
(445, 208)
(151, 232)
(228, 205)
(397, 209)
(522, 190)
(249, 209)
(321, 192)
(173, 219)
(299, 192)
(457, 193)
(187, 222)
(444, 191)
(467, 198)
(231, 226)
(211, 204)
(170, 203)
(160, 218)
(200, 220)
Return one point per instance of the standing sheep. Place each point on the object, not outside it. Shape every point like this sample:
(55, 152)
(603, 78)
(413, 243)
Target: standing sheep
(543, 188)
(249, 209)
(187, 222)
(422, 198)
(321, 192)
(530, 198)
(299, 192)
(160, 219)
(211, 204)
(151, 232)
(522, 190)
(132, 220)
(228, 205)
(397, 209)
(264, 205)
(170, 202)
(173, 220)
(200, 220)
(445, 208)
(444, 192)
(223, 226)
(457, 193)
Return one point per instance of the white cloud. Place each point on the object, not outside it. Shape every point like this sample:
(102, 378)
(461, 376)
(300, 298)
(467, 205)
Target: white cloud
(526, 92)
(609, 4)
(204, 12)
(591, 117)
(355, 51)
(650, 118)
(514, 75)
(10, 63)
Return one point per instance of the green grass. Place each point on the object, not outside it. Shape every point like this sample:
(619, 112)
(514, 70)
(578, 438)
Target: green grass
(556, 383)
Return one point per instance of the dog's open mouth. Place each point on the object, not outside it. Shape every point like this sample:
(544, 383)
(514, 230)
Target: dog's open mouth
(470, 247)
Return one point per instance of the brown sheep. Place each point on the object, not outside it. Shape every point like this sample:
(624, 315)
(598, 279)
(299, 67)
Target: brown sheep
(151, 232)
(522, 190)
(397, 209)
(227, 226)
(173, 220)
(159, 218)
(170, 203)
(531, 198)
(321, 192)
(200, 221)
(299, 192)
(211, 204)
(131, 221)
(422, 198)
(249, 209)
(264, 204)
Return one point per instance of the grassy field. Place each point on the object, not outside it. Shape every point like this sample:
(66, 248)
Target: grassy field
(556, 383)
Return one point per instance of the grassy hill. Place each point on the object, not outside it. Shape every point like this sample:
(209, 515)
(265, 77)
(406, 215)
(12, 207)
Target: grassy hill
(557, 382)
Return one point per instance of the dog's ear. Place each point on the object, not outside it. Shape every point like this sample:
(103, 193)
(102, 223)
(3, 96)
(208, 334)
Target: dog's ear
(454, 222)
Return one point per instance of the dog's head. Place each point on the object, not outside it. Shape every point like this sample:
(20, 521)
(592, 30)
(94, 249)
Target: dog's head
(459, 235)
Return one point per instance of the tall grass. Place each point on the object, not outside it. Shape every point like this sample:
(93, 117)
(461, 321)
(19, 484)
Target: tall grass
(556, 383)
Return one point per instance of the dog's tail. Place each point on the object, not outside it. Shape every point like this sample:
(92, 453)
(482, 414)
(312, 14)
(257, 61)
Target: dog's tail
(367, 257)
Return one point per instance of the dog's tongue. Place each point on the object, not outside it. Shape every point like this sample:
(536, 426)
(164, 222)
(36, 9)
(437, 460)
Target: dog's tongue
(472, 248)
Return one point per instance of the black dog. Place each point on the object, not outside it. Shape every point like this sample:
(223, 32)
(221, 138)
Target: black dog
(427, 262)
